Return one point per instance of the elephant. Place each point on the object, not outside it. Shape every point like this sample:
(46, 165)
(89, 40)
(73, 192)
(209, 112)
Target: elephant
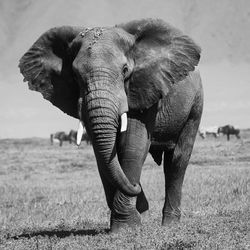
(60, 136)
(136, 88)
(203, 132)
(229, 130)
(73, 137)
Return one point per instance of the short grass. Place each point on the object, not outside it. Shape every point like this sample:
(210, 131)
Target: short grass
(51, 197)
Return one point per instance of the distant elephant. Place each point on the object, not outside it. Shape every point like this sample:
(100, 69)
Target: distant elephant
(136, 89)
(229, 130)
(73, 135)
(203, 132)
(60, 136)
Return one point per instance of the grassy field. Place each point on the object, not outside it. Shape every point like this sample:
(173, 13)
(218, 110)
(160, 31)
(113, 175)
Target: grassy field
(51, 197)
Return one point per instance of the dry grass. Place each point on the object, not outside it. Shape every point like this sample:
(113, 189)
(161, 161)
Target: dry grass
(52, 198)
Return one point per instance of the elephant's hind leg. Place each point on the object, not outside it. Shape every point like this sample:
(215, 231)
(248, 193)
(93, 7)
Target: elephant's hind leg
(175, 164)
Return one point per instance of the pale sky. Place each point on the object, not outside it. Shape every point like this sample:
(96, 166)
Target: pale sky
(226, 94)
(226, 77)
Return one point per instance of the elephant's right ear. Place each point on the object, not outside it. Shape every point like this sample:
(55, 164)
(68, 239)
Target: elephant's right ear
(47, 66)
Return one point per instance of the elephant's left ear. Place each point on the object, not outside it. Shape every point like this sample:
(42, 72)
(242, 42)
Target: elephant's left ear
(163, 56)
(47, 66)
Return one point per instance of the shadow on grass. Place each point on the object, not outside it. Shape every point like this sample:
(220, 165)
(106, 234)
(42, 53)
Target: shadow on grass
(61, 233)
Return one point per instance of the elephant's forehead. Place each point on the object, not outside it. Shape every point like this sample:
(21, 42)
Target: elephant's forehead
(94, 32)
(97, 33)
(92, 36)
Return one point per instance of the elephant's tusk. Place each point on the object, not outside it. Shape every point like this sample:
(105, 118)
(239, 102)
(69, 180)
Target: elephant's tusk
(79, 133)
(124, 122)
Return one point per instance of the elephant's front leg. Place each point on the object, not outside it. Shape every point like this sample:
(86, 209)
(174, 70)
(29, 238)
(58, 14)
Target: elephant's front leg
(132, 149)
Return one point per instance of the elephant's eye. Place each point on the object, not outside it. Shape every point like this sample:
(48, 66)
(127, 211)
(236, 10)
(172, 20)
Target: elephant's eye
(125, 71)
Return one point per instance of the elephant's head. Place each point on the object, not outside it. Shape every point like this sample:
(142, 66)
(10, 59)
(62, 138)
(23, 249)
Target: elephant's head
(97, 75)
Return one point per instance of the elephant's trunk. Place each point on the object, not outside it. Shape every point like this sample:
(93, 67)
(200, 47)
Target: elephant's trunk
(102, 107)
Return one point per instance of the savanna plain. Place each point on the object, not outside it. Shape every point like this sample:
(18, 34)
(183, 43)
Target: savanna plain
(51, 197)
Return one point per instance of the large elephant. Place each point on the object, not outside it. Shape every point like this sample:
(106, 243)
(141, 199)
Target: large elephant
(136, 89)
(229, 130)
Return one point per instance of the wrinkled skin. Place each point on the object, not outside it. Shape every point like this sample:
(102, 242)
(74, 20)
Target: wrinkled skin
(229, 130)
(60, 136)
(144, 68)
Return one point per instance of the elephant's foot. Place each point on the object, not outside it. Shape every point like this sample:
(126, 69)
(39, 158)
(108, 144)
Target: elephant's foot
(169, 217)
(117, 225)
(124, 213)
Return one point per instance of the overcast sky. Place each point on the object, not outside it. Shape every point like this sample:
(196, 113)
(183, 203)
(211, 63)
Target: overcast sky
(25, 113)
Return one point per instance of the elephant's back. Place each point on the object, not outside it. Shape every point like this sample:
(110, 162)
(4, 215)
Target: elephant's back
(175, 108)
